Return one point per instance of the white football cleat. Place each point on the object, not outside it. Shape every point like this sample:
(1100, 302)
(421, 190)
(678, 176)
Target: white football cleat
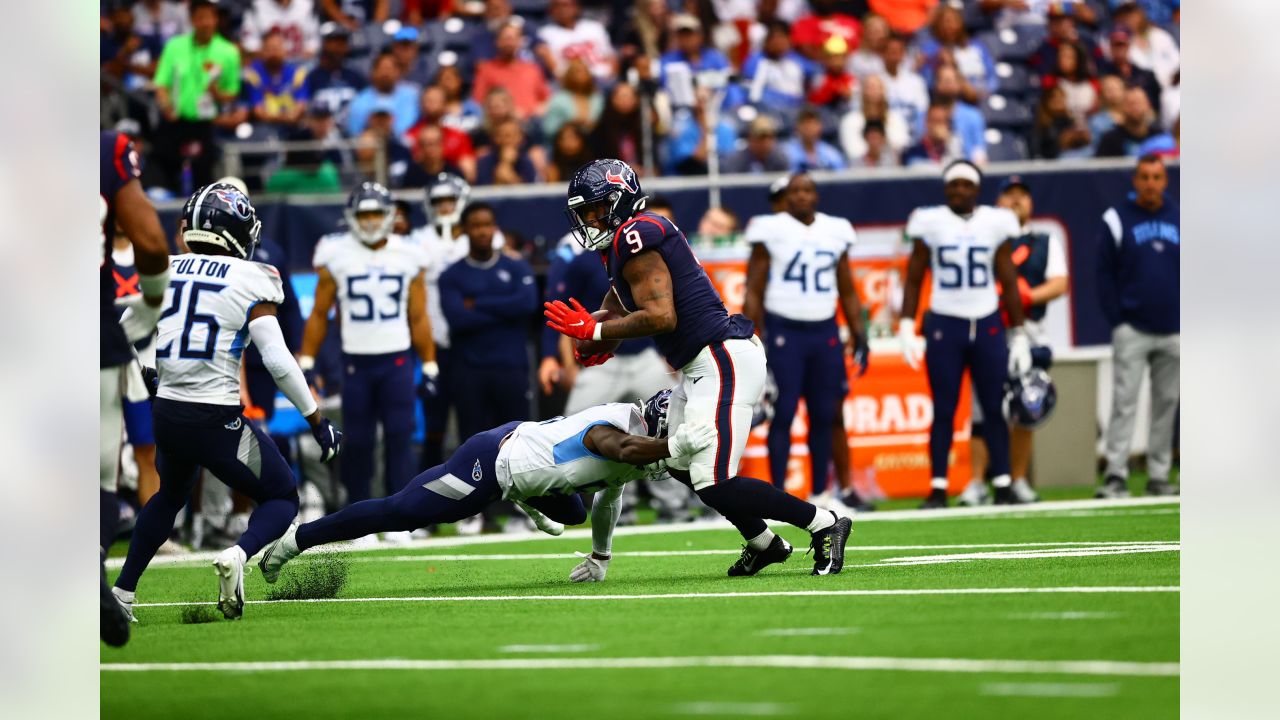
(365, 542)
(975, 493)
(125, 598)
(837, 506)
(230, 568)
(1023, 491)
(397, 537)
(278, 553)
(470, 526)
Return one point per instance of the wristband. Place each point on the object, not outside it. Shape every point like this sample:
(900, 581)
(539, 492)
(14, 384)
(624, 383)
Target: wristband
(306, 362)
(154, 285)
(595, 333)
(907, 326)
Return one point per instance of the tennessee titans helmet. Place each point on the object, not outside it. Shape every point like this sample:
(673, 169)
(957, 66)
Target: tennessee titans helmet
(221, 216)
(446, 186)
(655, 413)
(370, 197)
(603, 195)
(1030, 399)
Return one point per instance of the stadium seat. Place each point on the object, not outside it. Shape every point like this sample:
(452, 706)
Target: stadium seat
(1004, 146)
(1015, 80)
(975, 20)
(1003, 111)
(531, 10)
(452, 34)
(1013, 43)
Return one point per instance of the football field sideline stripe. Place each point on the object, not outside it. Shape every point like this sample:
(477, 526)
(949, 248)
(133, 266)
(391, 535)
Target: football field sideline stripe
(1098, 589)
(907, 664)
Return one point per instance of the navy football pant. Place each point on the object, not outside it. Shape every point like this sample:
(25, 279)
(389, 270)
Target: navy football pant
(219, 439)
(458, 489)
(807, 360)
(952, 345)
(376, 389)
(488, 396)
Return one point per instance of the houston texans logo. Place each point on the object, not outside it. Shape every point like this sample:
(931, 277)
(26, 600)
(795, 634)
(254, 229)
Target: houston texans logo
(620, 180)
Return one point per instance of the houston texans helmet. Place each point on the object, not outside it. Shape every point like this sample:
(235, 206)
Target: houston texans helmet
(446, 186)
(603, 195)
(370, 213)
(655, 413)
(221, 216)
(1030, 399)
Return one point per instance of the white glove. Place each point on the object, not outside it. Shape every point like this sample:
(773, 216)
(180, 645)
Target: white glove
(690, 438)
(431, 369)
(544, 523)
(589, 570)
(1019, 352)
(910, 345)
(139, 320)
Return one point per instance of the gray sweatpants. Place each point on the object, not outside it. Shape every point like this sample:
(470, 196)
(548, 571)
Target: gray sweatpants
(1133, 351)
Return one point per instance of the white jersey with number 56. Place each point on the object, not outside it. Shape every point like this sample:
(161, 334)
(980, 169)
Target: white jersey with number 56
(962, 256)
(204, 326)
(802, 263)
(373, 290)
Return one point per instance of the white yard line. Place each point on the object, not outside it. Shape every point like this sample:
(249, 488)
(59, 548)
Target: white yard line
(571, 648)
(906, 664)
(732, 709)
(1037, 689)
(809, 632)
(1066, 615)
(1098, 589)
(1025, 554)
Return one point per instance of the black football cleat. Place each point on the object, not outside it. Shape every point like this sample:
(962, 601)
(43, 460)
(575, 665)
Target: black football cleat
(1006, 496)
(828, 547)
(753, 561)
(937, 499)
(1161, 488)
(113, 622)
(1112, 488)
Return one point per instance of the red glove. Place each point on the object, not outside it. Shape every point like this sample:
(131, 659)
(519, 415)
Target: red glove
(591, 360)
(575, 322)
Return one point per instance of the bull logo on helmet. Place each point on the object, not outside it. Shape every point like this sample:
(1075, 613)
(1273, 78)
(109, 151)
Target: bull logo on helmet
(621, 180)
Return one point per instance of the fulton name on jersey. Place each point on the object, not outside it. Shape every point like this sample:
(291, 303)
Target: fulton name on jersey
(802, 263)
(963, 253)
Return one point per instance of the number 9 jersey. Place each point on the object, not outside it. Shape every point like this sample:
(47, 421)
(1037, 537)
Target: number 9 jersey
(962, 254)
(802, 263)
(373, 290)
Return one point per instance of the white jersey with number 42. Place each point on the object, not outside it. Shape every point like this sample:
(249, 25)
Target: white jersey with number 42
(963, 253)
(204, 326)
(802, 263)
(373, 290)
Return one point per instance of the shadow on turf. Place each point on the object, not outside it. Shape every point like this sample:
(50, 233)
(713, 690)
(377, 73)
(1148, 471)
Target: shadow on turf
(321, 576)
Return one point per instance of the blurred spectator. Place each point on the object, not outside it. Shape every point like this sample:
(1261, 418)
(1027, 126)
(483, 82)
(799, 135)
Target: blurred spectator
(875, 109)
(415, 67)
(1056, 130)
(569, 151)
(717, 226)
(126, 54)
(905, 89)
(1160, 12)
(310, 170)
(355, 14)
(385, 86)
(1137, 125)
(161, 19)
(833, 89)
(1120, 62)
(904, 16)
(807, 151)
(460, 111)
(1007, 13)
(197, 71)
(567, 36)
(811, 32)
(776, 76)
(1062, 29)
(762, 154)
(1171, 103)
(1110, 101)
(1152, 47)
(498, 108)
(379, 133)
(689, 143)
(646, 35)
(939, 146)
(497, 15)
(577, 101)
(416, 12)
(429, 158)
(295, 19)
(507, 162)
(878, 151)
(522, 78)
(458, 148)
(688, 58)
(867, 59)
(949, 44)
(277, 89)
(1073, 74)
(967, 122)
(618, 132)
(331, 83)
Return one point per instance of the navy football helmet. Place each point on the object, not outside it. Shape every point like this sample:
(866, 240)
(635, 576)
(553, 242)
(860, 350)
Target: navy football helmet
(603, 195)
(221, 216)
(370, 213)
(655, 413)
(446, 186)
(1030, 399)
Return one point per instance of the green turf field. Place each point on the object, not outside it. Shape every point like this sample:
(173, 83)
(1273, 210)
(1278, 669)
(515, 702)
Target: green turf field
(1062, 610)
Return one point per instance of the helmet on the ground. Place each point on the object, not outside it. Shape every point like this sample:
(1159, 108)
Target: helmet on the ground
(221, 216)
(603, 195)
(446, 186)
(370, 197)
(1030, 399)
(655, 413)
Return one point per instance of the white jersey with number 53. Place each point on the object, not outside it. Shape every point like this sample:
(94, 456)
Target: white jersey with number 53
(963, 253)
(204, 326)
(802, 263)
(373, 290)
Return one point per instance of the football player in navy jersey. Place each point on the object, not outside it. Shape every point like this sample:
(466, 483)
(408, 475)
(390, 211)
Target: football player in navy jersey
(659, 290)
(122, 206)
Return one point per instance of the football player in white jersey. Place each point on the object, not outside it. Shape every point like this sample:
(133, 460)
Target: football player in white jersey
(967, 247)
(378, 281)
(540, 465)
(797, 274)
(217, 301)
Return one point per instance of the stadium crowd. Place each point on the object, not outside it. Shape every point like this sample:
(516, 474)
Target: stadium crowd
(505, 92)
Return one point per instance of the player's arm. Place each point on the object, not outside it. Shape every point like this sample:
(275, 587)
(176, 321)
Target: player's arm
(420, 324)
(916, 267)
(852, 309)
(1007, 274)
(318, 322)
(264, 330)
(458, 310)
(757, 280)
(613, 303)
(1051, 289)
(137, 219)
(655, 312)
(520, 302)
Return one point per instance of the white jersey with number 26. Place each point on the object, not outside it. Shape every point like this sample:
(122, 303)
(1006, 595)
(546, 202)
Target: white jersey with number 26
(204, 326)
(373, 290)
(802, 263)
(962, 254)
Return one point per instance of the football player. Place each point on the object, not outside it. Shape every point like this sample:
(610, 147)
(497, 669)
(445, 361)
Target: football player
(967, 247)
(122, 206)
(659, 290)
(540, 465)
(218, 299)
(378, 281)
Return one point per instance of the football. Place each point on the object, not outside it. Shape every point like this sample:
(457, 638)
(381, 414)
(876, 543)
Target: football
(598, 347)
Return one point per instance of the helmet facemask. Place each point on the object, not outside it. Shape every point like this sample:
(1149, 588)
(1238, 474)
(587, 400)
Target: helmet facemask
(370, 226)
(594, 224)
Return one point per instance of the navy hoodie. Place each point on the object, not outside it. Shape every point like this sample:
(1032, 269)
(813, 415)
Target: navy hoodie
(494, 330)
(1139, 266)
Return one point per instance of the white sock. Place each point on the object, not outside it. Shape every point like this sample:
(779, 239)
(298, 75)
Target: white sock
(938, 483)
(125, 595)
(761, 541)
(1001, 481)
(1021, 481)
(822, 520)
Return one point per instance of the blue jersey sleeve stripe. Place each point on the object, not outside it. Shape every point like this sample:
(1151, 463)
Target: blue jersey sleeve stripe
(570, 449)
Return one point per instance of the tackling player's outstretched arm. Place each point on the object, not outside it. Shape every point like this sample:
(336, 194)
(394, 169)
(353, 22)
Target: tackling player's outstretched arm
(757, 280)
(420, 323)
(318, 323)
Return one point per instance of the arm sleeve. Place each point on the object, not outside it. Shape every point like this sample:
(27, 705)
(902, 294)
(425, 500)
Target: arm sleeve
(164, 69)
(916, 225)
(757, 231)
(604, 516)
(1056, 265)
(266, 336)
